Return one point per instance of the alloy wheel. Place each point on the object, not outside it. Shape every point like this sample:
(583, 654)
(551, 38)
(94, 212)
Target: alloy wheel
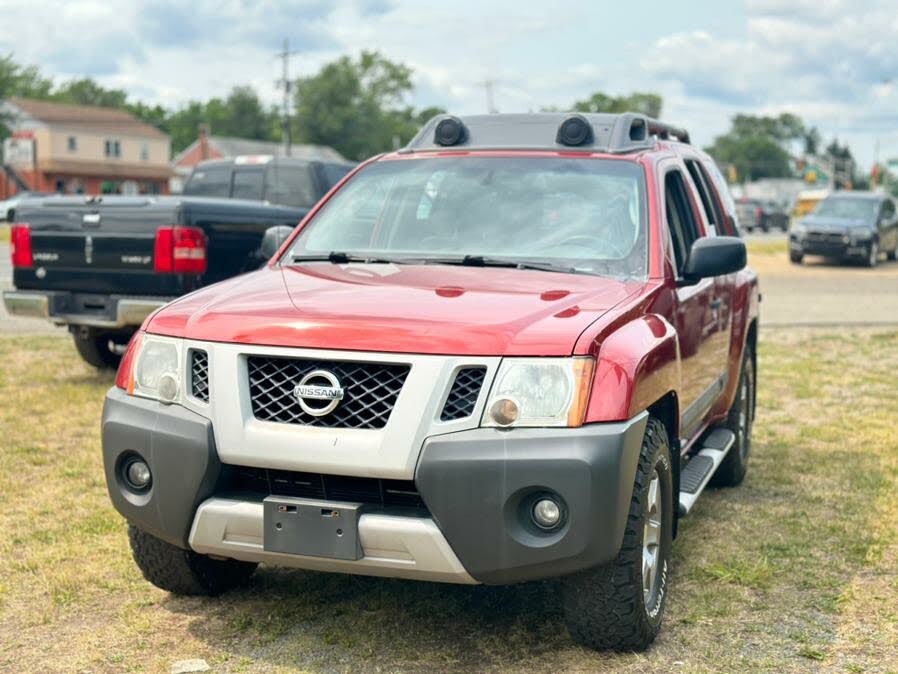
(651, 542)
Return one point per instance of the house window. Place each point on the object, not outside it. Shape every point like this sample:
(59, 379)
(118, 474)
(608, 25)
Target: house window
(113, 148)
(145, 152)
(73, 144)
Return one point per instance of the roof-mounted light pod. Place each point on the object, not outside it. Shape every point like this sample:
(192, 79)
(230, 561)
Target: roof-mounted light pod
(449, 131)
(575, 130)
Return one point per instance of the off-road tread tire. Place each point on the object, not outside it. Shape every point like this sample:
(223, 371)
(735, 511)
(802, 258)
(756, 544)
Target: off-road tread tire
(95, 352)
(185, 572)
(604, 607)
(796, 258)
(734, 466)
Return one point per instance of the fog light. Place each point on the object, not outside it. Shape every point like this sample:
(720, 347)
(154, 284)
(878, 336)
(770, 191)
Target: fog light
(138, 474)
(546, 513)
(504, 411)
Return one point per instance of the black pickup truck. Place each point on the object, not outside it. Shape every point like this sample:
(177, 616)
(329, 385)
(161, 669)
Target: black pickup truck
(100, 265)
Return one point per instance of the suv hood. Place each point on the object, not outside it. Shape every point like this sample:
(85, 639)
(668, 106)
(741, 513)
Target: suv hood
(398, 308)
(825, 223)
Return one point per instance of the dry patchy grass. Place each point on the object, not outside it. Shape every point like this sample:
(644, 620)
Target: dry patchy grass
(4, 233)
(795, 571)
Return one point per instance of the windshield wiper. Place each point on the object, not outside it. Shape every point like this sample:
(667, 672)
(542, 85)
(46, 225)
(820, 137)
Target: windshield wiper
(339, 257)
(485, 261)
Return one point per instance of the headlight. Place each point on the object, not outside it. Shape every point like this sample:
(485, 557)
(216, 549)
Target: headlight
(799, 229)
(157, 372)
(859, 233)
(539, 392)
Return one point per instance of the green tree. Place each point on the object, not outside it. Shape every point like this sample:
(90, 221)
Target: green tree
(357, 106)
(757, 146)
(241, 114)
(21, 81)
(85, 91)
(647, 103)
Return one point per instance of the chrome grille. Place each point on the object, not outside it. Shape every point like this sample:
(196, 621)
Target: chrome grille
(370, 391)
(464, 393)
(199, 374)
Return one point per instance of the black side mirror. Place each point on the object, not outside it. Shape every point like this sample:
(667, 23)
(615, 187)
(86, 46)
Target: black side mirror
(714, 256)
(272, 240)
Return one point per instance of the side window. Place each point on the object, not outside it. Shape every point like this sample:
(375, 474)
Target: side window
(706, 194)
(292, 186)
(333, 173)
(680, 217)
(248, 185)
(723, 191)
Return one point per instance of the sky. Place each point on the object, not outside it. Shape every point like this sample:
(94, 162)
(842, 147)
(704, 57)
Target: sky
(832, 62)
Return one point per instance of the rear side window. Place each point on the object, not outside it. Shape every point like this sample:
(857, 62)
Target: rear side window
(248, 184)
(680, 217)
(290, 186)
(723, 191)
(706, 194)
(210, 182)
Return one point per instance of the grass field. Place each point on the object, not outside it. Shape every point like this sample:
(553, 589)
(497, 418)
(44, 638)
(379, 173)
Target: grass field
(795, 571)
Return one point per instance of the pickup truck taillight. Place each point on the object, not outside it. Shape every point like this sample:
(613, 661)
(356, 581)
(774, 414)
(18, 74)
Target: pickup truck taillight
(20, 246)
(759, 215)
(180, 250)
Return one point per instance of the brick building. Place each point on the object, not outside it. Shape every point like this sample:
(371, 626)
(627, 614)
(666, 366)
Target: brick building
(80, 149)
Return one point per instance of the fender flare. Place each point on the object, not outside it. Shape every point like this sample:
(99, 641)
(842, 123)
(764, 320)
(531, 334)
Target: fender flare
(637, 365)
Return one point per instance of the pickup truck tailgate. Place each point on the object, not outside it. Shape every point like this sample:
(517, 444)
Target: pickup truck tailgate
(96, 245)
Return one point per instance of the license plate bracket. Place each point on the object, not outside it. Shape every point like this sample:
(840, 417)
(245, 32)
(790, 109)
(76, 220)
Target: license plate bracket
(297, 526)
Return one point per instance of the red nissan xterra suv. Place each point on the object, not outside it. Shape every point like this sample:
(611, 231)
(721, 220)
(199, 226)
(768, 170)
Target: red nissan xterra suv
(517, 349)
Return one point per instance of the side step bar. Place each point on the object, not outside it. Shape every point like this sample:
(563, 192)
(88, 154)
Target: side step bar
(702, 466)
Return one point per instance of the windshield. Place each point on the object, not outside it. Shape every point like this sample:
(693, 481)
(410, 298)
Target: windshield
(848, 207)
(581, 215)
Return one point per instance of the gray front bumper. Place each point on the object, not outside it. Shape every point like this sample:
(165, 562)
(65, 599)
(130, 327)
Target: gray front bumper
(72, 308)
(475, 482)
(179, 447)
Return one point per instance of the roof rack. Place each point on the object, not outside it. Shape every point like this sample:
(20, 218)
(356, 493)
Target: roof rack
(570, 132)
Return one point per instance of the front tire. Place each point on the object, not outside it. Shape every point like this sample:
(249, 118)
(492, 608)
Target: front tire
(872, 255)
(185, 572)
(619, 605)
(795, 258)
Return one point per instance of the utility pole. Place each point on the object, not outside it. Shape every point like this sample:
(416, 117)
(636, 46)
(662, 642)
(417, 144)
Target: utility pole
(490, 102)
(285, 84)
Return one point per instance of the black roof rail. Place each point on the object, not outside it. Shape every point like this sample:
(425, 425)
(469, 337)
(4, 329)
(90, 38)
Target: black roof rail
(605, 132)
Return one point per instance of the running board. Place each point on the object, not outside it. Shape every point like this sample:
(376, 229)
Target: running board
(702, 466)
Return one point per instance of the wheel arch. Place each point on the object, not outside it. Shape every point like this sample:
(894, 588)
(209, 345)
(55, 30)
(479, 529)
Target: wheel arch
(667, 410)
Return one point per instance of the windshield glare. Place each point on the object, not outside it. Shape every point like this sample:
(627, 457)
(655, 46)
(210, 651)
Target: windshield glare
(577, 213)
(842, 207)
